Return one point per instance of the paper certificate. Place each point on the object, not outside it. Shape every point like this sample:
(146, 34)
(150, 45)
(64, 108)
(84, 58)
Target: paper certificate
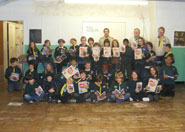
(123, 48)
(70, 88)
(138, 53)
(69, 72)
(82, 51)
(152, 84)
(40, 91)
(96, 53)
(81, 87)
(139, 85)
(15, 76)
(107, 51)
(116, 52)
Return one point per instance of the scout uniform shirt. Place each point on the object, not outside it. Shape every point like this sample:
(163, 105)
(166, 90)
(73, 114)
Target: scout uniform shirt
(102, 39)
(99, 88)
(118, 86)
(159, 45)
(13, 70)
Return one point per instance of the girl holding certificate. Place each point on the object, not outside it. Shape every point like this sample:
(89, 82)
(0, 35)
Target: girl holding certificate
(116, 53)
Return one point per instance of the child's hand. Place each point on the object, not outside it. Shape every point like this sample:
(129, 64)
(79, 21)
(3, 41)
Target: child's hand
(111, 56)
(113, 92)
(51, 90)
(103, 55)
(16, 78)
(36, 89)
(159, 88)
(123, 92)
(143, 55)
(104, 93)
(137, 90)
(11, 77)
(165, 76)
(147, 87)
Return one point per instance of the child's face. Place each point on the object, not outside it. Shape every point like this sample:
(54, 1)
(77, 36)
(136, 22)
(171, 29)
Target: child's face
(69, 80)
(91, 42)
(47, 44)
(107, 44)
(115, 44)
(49, 78)
(167, 49)
(152, 71)
(105, 70)
(83, 41)
(32, 45)
(87, 65)
(73, 63)
(83, 76)
(61, 44)
(169, 60)
(48, 67)
(134, 75)
(149, 48)
(119, 79)
(125, 43)
(99, 82)
(140, 42)
(31, 82)
(15, 63)
(31, 67)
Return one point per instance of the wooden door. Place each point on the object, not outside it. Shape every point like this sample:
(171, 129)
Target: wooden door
(1, 52)
(11, 40)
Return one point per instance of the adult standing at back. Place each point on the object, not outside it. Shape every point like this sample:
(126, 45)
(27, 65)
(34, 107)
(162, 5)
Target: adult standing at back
(134, 39)
(159, 43)
(106, 36)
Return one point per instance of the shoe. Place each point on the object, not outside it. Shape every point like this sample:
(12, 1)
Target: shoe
(30, 102)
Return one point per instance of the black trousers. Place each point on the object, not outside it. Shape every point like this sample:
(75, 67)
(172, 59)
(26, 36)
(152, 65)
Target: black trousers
(137, 96)
(126, 67)
(168, 90)
(65, 98)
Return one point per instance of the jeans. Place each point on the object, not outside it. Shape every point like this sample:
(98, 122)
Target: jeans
(34, 97)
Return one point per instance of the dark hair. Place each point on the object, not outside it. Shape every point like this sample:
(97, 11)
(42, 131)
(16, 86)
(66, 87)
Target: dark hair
(29, 47)
(131, 78)
(96, 44)
(12, 60)
(30, 77)
(31, 63)
(73, 39)
(83, 37)
(125, 40)
(73, 59)
(61, 40)
(99, 78)
(106, 41)
(106, 29)
(168, 45)
(88, 62)
(150, 44)
(142, 40)
(154, 69)
(46, 41)
(90, 39)
(161, 28)
(82, 71)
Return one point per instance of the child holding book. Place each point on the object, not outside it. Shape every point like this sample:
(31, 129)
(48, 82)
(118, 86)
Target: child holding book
(168, 75)
(115, 54)
(46, 53)
(98, 90)
(73, 48)
(135, 88)
(167, 53)
(119, 89)
(81, 88)
(13, 75)
(61, 55)
(66, 90)
(106, 55)
(83, 53)
(33, 92)
(153, 81)
(48, 70)
(89, 71)
(91, 42)
(33, 54)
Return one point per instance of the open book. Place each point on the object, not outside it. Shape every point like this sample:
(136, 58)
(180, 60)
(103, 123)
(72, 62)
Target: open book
(100, 96)
(40, 91)
(119, 94)
(69, 72)
(96, 53)
(61, 58)
(139, 85)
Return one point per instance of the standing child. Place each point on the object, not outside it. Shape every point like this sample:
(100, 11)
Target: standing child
(98, 89)
(13, 75)
(33, 54)
(168, 75)
(83, 53)
(119, 89)
(116, 54)
(33, 92)
(61, 55)
(167, 53)
(81, 88)
(91, 42)
(126, 59)
(135, 87)
(153, 95)
(73, 48)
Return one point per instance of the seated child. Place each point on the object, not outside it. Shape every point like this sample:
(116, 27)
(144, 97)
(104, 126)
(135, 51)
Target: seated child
(98, 90)
(50, 89)
(168, 75)
(89, 72)
(48, 70)
(81, 88)
(135, 87)
(119, 89)
(31, 72)
(107, 77)
(67, 89)
(13, 75)
(33, 92)
(153, 95)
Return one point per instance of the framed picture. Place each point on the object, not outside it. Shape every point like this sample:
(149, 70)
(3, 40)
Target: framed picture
(179, 38)
(36, 35)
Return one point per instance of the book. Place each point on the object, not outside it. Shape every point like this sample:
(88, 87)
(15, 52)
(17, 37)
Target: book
(70, 88)
(119, 94)
(138, 53)
(61, 58)
(14, 75)
(116, 52)
(157, 91)
(46, 51)
(100, 96)
(122, 48)
(31, 58)
(40, 91)
(69, 72)
(152, 84)
(107, 51)
(81, 87)
(82, 51)
(139, 85)
(72, 52)
(96, 53)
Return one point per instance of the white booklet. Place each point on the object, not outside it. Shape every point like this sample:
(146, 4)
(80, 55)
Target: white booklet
(152, 84)
(138, 53)
(40, 91)
(70, 88)
(116, 52)
(82, 51)
(122, 48)
(107, 51)
(69, 72)
(96, 53)
(14, 75)
(81, 87)
(139, 85)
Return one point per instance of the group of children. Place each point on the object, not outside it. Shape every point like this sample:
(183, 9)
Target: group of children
(111, 73)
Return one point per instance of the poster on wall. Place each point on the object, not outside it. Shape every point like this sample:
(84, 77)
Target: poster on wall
(35, 35)
(179, 38)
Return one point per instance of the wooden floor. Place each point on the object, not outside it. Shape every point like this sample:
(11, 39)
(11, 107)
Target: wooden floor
(168, 115)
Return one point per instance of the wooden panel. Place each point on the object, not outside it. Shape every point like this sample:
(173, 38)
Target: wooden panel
(19, 39)
(1, 42)
(11, 39)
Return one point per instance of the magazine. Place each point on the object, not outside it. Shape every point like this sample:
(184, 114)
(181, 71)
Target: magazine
(81, 87)
(138, 53)
(116, 52)
(69, 72)
(152, 84)
(107, 51)
(82, 51)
